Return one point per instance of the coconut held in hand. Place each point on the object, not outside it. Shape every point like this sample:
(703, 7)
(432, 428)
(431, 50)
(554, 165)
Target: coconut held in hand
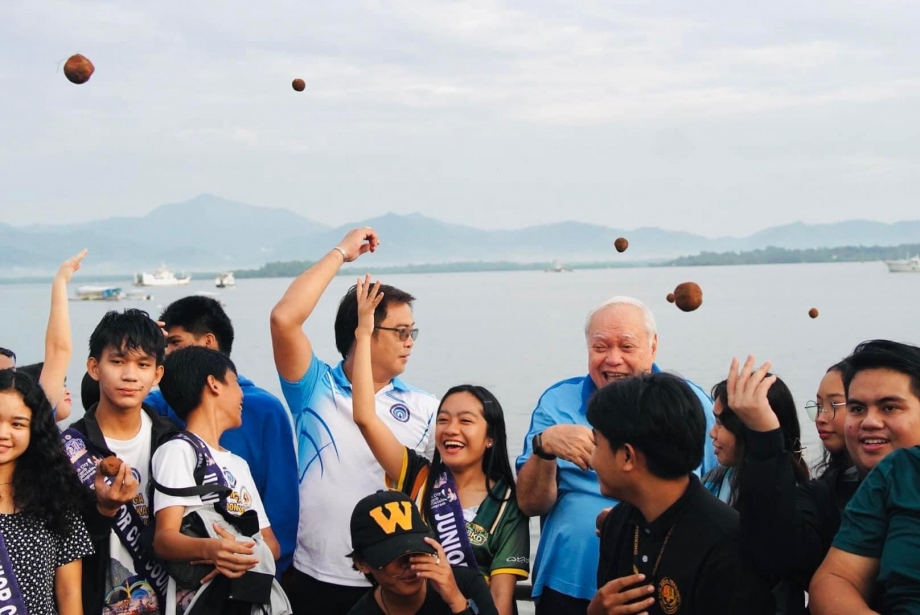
(78, 69)
(688, 296)
(110, 465)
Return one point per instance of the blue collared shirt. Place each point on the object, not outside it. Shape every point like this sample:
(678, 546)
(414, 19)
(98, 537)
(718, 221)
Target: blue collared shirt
(567, 556)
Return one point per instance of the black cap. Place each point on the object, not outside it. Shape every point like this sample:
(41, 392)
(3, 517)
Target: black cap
(387, 525)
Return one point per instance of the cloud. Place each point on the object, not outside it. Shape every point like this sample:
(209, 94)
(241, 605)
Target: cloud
(486, 108)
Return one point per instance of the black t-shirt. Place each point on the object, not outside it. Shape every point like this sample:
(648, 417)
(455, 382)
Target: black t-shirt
(695, 545)
(471, 584)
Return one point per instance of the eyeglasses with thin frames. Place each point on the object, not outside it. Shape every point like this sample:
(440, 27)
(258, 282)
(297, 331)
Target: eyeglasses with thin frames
(404, 333)
(814, 409)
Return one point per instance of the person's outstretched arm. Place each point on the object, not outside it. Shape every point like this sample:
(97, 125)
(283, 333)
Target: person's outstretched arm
(292, 349)
(58, 342)
(388, 451)
(843, 584)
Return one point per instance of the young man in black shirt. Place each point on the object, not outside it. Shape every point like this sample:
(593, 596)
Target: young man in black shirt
(669, 547)
(411, 574)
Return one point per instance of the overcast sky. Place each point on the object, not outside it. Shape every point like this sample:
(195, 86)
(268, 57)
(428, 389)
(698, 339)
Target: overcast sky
(716, 117)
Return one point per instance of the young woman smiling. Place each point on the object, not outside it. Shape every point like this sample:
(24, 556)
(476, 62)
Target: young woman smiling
(467, 492)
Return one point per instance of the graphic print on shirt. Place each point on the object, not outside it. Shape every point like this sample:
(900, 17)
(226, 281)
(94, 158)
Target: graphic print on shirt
(239, 500)
(126, 591)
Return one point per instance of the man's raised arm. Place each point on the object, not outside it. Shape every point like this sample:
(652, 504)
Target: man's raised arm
(292, 349)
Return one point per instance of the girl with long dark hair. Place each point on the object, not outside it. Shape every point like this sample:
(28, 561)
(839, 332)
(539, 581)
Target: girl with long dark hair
(729, 436)
(467, 492)
(43, 535)
(786, 524)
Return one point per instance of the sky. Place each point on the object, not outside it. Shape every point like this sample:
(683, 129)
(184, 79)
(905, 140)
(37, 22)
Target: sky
(715, 117)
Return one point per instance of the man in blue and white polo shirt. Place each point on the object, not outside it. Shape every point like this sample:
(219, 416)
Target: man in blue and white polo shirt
(336, 467)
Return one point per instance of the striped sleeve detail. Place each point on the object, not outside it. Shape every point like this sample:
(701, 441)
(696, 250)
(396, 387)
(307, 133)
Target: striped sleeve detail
(515, 571)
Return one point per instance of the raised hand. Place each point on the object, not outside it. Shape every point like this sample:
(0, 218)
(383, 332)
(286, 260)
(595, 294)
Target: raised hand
(357, 242)
(70, 266)
(369, 297)
(613, 597)
(573, 443)
(438, 571)
(747, 395)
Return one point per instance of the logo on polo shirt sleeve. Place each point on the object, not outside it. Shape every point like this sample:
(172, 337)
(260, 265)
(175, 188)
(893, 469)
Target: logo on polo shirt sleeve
(668, 596)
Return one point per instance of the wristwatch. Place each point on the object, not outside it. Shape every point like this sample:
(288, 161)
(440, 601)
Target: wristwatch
(470, 608)
(537, 445)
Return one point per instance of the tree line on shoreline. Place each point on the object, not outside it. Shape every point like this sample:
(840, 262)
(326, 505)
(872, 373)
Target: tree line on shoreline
(765, 256)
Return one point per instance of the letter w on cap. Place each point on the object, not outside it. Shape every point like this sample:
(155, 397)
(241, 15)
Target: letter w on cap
(400, 514)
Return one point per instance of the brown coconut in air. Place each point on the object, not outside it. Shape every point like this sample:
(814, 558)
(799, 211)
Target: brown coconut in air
(621, 244)
(78, 69)
(298, 85)
(813, 312)
(688, 296)
(670, 297)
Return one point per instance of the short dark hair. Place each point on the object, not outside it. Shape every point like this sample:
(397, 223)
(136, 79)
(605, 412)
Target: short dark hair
(200, 315)
(659, 415)
(89, 392)
(884, 354)
(186, 374)
(33, 369)
(346, 319)
(6, 352)
(132, 329)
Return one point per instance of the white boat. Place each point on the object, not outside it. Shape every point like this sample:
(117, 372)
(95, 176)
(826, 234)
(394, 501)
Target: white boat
(99, 293)
(910, 265)
(161, 277)
(558, 268)
(224, 279)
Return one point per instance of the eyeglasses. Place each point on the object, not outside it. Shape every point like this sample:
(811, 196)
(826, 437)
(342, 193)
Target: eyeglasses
(814, 409)
(404, 333)
(398, 566)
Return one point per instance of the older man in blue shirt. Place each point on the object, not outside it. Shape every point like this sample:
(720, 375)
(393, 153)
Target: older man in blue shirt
(555, 480)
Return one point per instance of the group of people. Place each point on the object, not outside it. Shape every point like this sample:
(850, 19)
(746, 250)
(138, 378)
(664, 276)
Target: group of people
(187, 489)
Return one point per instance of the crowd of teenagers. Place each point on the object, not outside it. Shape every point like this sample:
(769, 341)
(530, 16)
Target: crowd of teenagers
(187, 489)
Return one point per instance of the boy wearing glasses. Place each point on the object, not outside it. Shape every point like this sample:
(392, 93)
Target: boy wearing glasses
(336, 467)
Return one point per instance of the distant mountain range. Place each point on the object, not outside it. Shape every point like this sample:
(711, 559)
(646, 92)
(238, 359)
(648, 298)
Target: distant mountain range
(209, 233)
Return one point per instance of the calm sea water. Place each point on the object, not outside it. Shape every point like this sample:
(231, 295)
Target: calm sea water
(519, 332)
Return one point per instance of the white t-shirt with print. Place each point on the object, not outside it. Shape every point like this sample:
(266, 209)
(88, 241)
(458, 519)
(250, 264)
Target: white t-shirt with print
(174, 466)
(125, 590)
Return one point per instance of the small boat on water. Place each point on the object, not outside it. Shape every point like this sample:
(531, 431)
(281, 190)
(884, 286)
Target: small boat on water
(558, 268)
(109, 293)
(909, 265)
(99, 293)
(161, 277)
(225, 279)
